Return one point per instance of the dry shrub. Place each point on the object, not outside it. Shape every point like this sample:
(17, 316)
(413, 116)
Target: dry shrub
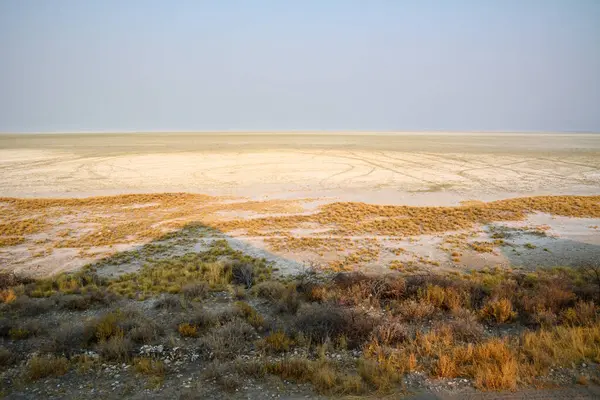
(387, 287)
(143, 331)
(18, 333)
(382, 374)
(187, 330)
(44, 366)
(326, 322)
(544, 318)
(106, 326)
(344, 280)
(242, 273)
(294, 368)
(495, 366)
(316, 293)
(499, 311)
(561, 346)
(69, 338)
(10, 279)
(227, 341)
(547, 295)
(227, 380)
(203, 319)
(323, 376)
(412, 310)
(250, 314)
(270, 290)
(466, 328)
(276, 342)
(116, 348)
(195, 291)
(168, 302)
(448, 298)
(583, 314)
(7, 296)
(149, 366)
(492, 364)
(391, 333)
(7, 358)
(25, 306)
(445, 367)
(290, 301)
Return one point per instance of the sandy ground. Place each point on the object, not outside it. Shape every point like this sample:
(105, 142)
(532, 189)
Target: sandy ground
(412, 169)
(376, 168)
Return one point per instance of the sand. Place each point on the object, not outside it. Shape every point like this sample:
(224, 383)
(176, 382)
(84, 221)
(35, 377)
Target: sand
(377, 168)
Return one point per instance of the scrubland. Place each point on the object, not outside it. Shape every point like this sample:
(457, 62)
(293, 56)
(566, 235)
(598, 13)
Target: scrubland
(194, 317)
(219, 321)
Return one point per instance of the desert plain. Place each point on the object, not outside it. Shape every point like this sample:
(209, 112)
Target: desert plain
(251, 177)
(300, 265)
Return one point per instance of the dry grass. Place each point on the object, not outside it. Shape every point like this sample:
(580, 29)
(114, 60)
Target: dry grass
(149, 366)
(44, 366)
(324, 377)
(105, 221)
(276, 342)
(499, 311)
(175, 274)
(561, 346)
(187, 330)
(7, 241)
(360, 218)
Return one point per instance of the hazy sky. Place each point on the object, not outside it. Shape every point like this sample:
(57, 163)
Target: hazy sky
(299, 65)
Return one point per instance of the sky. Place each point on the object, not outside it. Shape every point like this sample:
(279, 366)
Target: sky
(368, 65)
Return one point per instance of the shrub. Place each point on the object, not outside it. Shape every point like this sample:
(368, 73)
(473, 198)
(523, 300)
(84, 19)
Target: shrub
(561, 346)
(381, 375)
(295, 368)
(228, 340)
(75, 302)
(391, 333)
(242, 273)
(143, 331)
(270, 290)
(495, 366)
(276, 342)
(28, 307)
(499, 311)
(168, 302)
(544, 318)
(196, 291)
(7, 296)
(445, 367)
(7, 357)
(325, 322)
(149, 366)
(10, 279)
(412, 310)
(289, 302)
(583, 314)
(466, 328)
(223, 376)
(18, 333)
(116, 348)
(250, 314)
(346, 279)
(44, 366)
(106, 326)
(187, 330)
(388, 287)
(69, 338)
